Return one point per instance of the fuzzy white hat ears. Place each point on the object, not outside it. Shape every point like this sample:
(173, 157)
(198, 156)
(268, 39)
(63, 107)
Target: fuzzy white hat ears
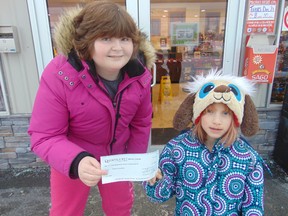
(245, 85)
(217, 88)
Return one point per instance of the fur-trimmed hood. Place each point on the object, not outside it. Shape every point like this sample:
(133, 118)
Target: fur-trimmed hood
(64, 30)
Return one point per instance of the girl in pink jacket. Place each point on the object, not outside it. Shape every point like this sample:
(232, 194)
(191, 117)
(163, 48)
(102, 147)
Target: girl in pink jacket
(94, 99)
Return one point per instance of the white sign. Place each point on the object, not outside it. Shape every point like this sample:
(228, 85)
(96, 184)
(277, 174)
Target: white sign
(129, 167)
(285, 20)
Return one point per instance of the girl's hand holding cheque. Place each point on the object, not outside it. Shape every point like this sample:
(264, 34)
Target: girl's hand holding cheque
(90, 172)
(157, 177)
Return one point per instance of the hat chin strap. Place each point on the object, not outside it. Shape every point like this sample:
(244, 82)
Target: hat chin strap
(198, 119)
(236, 120)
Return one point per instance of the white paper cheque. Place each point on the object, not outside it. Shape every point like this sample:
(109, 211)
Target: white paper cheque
(129, 167)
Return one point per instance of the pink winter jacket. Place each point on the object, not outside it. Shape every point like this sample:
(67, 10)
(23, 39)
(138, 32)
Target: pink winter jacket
(72, 114)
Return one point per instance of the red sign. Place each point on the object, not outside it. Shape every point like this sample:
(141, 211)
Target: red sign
(259, 63)
(261, 16)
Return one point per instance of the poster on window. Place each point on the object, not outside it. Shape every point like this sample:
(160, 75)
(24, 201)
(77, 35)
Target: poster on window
(184, 34)
(261, 15)
(163, 42)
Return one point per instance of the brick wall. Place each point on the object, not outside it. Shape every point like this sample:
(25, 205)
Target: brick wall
(15, 143)
(265, 139)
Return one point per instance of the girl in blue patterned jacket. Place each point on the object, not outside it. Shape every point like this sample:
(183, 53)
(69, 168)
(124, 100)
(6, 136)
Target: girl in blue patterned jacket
(210, 169)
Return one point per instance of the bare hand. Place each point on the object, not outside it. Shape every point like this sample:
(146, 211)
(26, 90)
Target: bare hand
(89, 171)
(156, 178)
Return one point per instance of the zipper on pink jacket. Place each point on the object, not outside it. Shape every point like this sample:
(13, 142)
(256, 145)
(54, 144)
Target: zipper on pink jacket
(118, 115)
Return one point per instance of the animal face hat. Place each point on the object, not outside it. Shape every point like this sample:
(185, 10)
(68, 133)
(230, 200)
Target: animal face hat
(216, 88)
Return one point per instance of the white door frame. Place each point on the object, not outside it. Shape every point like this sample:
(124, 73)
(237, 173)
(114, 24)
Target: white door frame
(4, 93)
(235, 19)
(132, 8)
(38, 13)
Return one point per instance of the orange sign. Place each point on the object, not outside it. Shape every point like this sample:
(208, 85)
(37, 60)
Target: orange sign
(259, 63)
(261, 16)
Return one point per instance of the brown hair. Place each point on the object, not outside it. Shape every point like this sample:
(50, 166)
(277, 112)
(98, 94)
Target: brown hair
(99, 19)
(228, 138)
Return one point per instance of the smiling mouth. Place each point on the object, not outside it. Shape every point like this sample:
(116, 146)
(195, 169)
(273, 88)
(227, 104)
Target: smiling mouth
(215, 129)
(115, 56)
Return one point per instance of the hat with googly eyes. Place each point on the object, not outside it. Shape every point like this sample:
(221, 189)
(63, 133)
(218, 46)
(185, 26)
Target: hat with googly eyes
(233, 91)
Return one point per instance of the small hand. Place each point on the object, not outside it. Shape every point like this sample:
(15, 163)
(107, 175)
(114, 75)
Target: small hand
(157, 177)
(89, 171)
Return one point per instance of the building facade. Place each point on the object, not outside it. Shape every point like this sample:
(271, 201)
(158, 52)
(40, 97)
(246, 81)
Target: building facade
(242, 37)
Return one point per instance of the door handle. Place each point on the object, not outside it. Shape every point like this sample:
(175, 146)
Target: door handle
(154, 75)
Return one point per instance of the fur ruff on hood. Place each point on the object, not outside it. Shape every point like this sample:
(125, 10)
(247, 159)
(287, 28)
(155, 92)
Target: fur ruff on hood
(64, 30)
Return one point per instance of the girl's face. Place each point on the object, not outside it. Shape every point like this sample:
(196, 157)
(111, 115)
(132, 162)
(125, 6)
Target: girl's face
(215, 121)
(110, 54)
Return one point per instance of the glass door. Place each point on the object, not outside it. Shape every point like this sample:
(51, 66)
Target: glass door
(190, 38)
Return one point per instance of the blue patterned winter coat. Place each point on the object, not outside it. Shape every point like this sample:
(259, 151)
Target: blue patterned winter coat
(226, 181)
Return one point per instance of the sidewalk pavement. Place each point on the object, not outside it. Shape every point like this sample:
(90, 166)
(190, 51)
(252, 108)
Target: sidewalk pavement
(26, 193)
